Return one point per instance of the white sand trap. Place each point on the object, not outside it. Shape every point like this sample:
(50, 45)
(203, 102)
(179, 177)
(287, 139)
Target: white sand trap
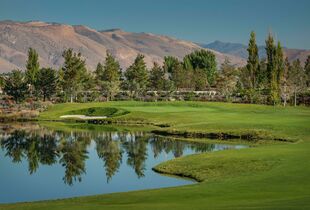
(83, 117)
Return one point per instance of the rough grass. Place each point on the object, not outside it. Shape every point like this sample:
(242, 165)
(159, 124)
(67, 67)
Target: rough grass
(271, 177)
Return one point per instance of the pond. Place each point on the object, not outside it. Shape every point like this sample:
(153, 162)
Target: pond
(39, 163)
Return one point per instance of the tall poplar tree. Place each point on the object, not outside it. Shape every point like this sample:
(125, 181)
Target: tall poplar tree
(280, 64)
(32, 69)
(272, 70)
(253, 61)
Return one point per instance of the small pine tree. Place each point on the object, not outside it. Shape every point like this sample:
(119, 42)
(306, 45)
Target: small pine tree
(15, 85)
(111, 76)
(157, 78)
(72, 70)
(47, 82)
(137, 76)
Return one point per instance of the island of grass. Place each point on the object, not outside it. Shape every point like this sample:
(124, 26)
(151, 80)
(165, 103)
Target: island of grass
(266, 176)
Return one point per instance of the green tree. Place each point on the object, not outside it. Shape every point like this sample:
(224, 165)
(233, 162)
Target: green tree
(108, 76)
(252, 70)
(227, 79)
(32, 68)
(2, 81)
(253, 61)
(262, 76)
(72, 70)
(46, 84)
(199, 79)
(285, 92)
(16, 85)
(204, 60)
(170, 63)
(181, 77)
(297, 79)
(272, 70)
(137, 77)
(307, 70)
(157, 78)
(73, 155)
(110, 152)
(87, 84)
(280, 67)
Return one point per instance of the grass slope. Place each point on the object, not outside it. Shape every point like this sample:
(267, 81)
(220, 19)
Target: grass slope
(273, 176)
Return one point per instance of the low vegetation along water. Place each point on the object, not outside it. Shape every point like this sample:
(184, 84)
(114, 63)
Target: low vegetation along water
(38, 163)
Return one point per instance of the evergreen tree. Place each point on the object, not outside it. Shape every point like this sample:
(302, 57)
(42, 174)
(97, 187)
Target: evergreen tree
(15, 85)
(157, 78)
(110, 78)
(137, 77)
(32, 68)
(99, 72)
(73, 68)
(46, 83)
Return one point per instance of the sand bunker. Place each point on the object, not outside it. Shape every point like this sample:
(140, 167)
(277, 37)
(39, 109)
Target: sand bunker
(83, 117)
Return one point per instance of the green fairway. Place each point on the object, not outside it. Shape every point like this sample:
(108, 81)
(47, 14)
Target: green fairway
(266, 176)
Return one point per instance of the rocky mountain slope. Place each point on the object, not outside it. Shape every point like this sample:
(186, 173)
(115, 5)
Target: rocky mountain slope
(50, 39)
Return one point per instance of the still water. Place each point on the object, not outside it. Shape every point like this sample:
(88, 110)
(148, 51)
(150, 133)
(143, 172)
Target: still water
(39, 163)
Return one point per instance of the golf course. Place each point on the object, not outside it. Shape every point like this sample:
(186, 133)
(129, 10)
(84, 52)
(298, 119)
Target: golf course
(271, 173)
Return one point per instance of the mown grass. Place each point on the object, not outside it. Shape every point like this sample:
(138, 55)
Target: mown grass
(273, 176)
(99, 111)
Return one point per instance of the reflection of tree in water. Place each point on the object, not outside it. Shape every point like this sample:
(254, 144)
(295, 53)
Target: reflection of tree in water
(35, 148)
(31, 150)
(167, 145)
(48, 150)
(73, 154)
(70, 149)
(15, 145)
(110, 152)
(136, 150)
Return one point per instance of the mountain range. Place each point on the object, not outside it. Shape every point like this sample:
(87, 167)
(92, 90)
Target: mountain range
(51, 39)
(240, 50)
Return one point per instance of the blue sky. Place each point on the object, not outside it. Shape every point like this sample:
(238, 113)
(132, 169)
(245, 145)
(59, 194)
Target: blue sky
(201, 21)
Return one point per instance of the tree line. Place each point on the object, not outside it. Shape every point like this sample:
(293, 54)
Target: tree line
(271, 80)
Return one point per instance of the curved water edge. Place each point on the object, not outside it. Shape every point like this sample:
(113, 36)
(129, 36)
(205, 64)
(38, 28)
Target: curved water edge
(40, 163)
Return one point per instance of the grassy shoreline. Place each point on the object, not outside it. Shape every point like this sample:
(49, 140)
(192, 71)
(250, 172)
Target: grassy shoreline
(270, 176)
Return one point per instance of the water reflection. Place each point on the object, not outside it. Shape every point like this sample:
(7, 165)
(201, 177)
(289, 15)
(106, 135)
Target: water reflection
(41, 146)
